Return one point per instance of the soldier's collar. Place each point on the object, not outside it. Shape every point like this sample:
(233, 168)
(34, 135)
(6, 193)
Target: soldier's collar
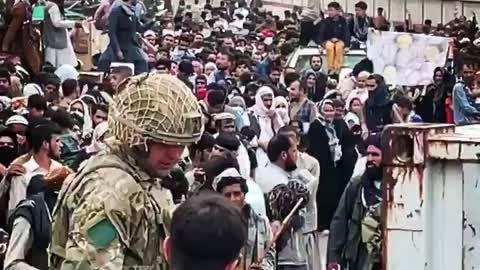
(140, 174)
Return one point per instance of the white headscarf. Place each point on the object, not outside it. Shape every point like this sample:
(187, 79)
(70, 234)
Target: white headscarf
(259, 108)
(87, 127)
(333, 141)
(282, 112)
(66, 72)
(212, 66)
(268, 126)
(230, 172)
(97, 145)
(32, 89)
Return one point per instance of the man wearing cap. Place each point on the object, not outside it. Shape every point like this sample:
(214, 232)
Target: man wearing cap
(225, 142)
(112, 214)
(225, 123)
(258, 249)
(18, 125)
(150, 47)
(8, 149)
(355, 240)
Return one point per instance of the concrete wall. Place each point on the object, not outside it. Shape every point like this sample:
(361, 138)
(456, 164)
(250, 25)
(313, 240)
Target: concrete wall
(439, 11)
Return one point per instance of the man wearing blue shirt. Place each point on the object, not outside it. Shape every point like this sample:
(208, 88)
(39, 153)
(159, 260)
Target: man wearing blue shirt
(463, 110)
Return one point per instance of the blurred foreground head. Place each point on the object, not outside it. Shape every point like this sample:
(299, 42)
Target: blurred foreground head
(207, 232)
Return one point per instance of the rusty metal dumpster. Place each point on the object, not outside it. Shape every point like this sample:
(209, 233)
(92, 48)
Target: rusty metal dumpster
(432, 196)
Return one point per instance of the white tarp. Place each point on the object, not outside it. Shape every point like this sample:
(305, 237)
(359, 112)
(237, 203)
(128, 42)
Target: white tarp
(404, 58)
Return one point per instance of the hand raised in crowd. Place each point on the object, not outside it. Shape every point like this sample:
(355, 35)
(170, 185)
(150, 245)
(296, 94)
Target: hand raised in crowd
(333, 266)
(15, 170)
(120, 55)
(275, 225)
(271, 113)
(199, 175)
(21, 139)
(255, 267)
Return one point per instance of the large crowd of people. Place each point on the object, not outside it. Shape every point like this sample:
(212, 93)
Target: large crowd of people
(295, 154)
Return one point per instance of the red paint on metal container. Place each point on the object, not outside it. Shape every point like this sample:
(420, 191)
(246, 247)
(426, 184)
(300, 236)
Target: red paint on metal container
(420, 170)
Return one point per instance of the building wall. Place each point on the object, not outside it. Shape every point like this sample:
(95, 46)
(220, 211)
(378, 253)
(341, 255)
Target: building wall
(439, 11)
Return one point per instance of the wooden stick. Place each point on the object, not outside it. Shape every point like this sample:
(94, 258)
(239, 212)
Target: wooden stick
(279, 232)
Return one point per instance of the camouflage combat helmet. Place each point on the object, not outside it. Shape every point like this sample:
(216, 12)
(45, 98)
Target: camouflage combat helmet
(155, 107)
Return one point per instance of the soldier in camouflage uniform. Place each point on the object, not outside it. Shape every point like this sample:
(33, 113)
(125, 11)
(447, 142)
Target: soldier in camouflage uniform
(111, 215)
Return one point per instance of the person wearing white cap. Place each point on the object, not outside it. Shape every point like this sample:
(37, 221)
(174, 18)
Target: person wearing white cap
(32, 89)
(360, 90)
(66, 72)
(150, 36)
(149, 45)
(18, 125)
(46, 147)
(234, 187)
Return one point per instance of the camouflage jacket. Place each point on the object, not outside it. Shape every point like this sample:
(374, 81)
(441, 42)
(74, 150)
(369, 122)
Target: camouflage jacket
(110, 216)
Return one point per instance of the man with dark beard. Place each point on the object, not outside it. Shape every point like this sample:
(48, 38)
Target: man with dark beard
(283, 155)
(301, 107)
(463, 111)
(8, 149)
(321, 78)
(44, 137)
(378, 106)
(224, 61)
(355, 232)
(5, 83)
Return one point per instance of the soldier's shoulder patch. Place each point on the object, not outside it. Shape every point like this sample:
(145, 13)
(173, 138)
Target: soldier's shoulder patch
(102, 234)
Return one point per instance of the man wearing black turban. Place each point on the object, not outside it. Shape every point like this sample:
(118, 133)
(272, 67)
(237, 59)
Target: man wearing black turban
(355, 232)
